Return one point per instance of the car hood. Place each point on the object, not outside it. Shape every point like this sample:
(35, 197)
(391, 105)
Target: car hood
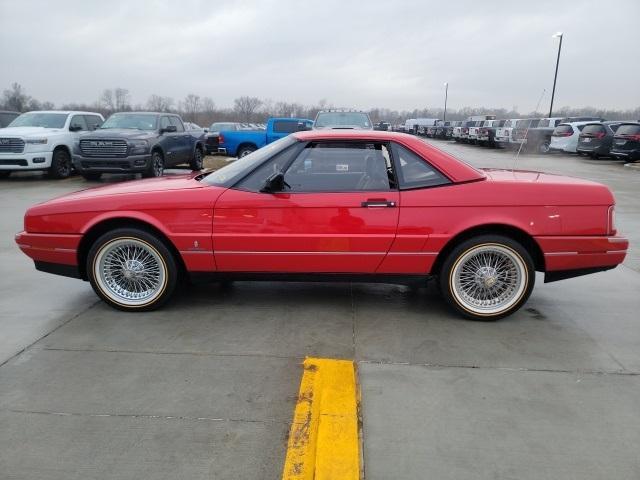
(120, 133)
(27, 131)
(161, 184)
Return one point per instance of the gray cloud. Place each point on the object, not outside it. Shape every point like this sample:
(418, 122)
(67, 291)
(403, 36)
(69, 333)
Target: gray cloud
(361, 54)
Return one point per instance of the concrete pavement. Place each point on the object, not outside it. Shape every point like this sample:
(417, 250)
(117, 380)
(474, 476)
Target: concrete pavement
(205, 388)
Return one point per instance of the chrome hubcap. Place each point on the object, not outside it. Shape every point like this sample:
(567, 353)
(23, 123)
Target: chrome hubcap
(489, 279)
(130, 271)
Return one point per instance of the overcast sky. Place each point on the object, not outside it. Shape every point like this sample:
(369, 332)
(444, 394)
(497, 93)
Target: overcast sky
(356, 54)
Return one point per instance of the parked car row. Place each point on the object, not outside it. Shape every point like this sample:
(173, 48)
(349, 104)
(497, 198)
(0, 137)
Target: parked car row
(128, 142)
(592, 136)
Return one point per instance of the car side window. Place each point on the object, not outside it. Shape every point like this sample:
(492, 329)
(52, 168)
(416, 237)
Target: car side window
(341, 167)
(164, 122)
(93, 121)
(256, 179)
(414, 171)
(78, 121)
(178, 123)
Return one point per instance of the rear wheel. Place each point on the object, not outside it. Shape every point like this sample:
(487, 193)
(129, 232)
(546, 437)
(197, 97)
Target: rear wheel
(156, 166)
(61, 166)
(487, 277)
(245, 150)
(543, 147)
(132, 270)
(196, 161)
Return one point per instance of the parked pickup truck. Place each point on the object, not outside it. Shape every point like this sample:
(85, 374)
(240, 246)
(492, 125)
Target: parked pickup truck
(137, 142)
(43, 141)
(538, 138)
(242, 142)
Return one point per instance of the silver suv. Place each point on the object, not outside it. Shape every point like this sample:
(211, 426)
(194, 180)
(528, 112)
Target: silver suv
(342, 119)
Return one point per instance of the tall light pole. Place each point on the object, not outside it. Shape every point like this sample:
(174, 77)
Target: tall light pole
(553, 92)
(446, 94)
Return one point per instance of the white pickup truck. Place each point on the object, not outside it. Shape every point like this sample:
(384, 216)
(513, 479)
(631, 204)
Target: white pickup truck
(503, 134)
(43, 141)
(474, 127)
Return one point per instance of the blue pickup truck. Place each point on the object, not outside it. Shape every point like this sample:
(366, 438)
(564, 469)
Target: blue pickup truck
(239, 143)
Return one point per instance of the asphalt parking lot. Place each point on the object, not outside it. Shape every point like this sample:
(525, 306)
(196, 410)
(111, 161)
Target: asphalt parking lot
(205, 387)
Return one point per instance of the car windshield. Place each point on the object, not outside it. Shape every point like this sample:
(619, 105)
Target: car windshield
(131, 121)
(342, 119)
(218, 127)
(36, 119)
(528, 123)
(229, 174)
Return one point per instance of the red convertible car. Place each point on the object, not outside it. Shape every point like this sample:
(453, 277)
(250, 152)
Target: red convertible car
(332, 205)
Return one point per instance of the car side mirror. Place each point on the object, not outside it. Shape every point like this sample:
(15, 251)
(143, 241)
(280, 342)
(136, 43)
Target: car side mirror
(275, 183)
(169, 129)
(75, 128)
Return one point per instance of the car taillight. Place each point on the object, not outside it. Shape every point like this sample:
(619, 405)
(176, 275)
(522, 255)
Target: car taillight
(465, 130)
(220, 139)
(633, 138)
(612, 220)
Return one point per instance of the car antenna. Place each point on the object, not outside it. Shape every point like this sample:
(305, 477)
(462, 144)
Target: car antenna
(526, 132)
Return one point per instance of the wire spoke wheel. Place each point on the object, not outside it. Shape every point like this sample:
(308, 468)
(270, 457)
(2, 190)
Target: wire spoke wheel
(488, 279)
(130, 272)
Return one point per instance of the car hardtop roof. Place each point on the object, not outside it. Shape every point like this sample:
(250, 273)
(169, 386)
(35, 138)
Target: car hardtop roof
(341, 110)
(65, 112)
(577, 124)
(148, 113)
(456, 170)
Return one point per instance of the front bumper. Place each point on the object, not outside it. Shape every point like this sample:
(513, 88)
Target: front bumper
(565, 254)
(130, 164)
(53, 253)
(25, 161)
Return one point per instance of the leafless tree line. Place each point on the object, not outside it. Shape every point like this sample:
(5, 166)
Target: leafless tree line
(248, 109)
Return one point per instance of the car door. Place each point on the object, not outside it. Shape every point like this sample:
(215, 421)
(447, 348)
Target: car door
(338, 214)
(183, 139)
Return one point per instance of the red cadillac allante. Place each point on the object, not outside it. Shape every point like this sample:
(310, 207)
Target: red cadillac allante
(336, 206)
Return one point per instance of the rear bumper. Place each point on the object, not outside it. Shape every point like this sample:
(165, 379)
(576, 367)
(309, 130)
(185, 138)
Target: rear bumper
(133, 163)
(564, 254)
(626, 154)
(53, 250)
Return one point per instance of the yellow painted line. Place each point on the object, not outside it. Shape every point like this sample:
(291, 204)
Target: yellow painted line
(323, 441)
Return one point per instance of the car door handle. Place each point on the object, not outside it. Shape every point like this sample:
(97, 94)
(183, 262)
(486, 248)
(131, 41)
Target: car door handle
(378, 203)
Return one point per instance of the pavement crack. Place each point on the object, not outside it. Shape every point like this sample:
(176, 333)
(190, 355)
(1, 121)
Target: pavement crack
(625, 373)
(146, 416)
(73, 317)
(162, 352)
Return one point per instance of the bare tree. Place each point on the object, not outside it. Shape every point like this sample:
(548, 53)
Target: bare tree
(158, 103)
(106, 100)
(122, 99)
(246, 106)
(15, 98)
(191, 107)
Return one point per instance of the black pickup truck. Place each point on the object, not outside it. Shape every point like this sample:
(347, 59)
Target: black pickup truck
(138, 142)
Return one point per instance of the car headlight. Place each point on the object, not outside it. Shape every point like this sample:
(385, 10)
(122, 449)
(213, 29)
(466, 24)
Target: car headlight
(139, 146)
(35, 141)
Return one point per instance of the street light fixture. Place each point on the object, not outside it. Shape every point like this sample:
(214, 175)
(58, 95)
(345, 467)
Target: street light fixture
(553, 92)
(446, 94)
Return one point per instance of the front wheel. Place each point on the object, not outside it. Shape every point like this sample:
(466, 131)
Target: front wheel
(156, 166)
(132, 270)
(61, 166)
(487, 277)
